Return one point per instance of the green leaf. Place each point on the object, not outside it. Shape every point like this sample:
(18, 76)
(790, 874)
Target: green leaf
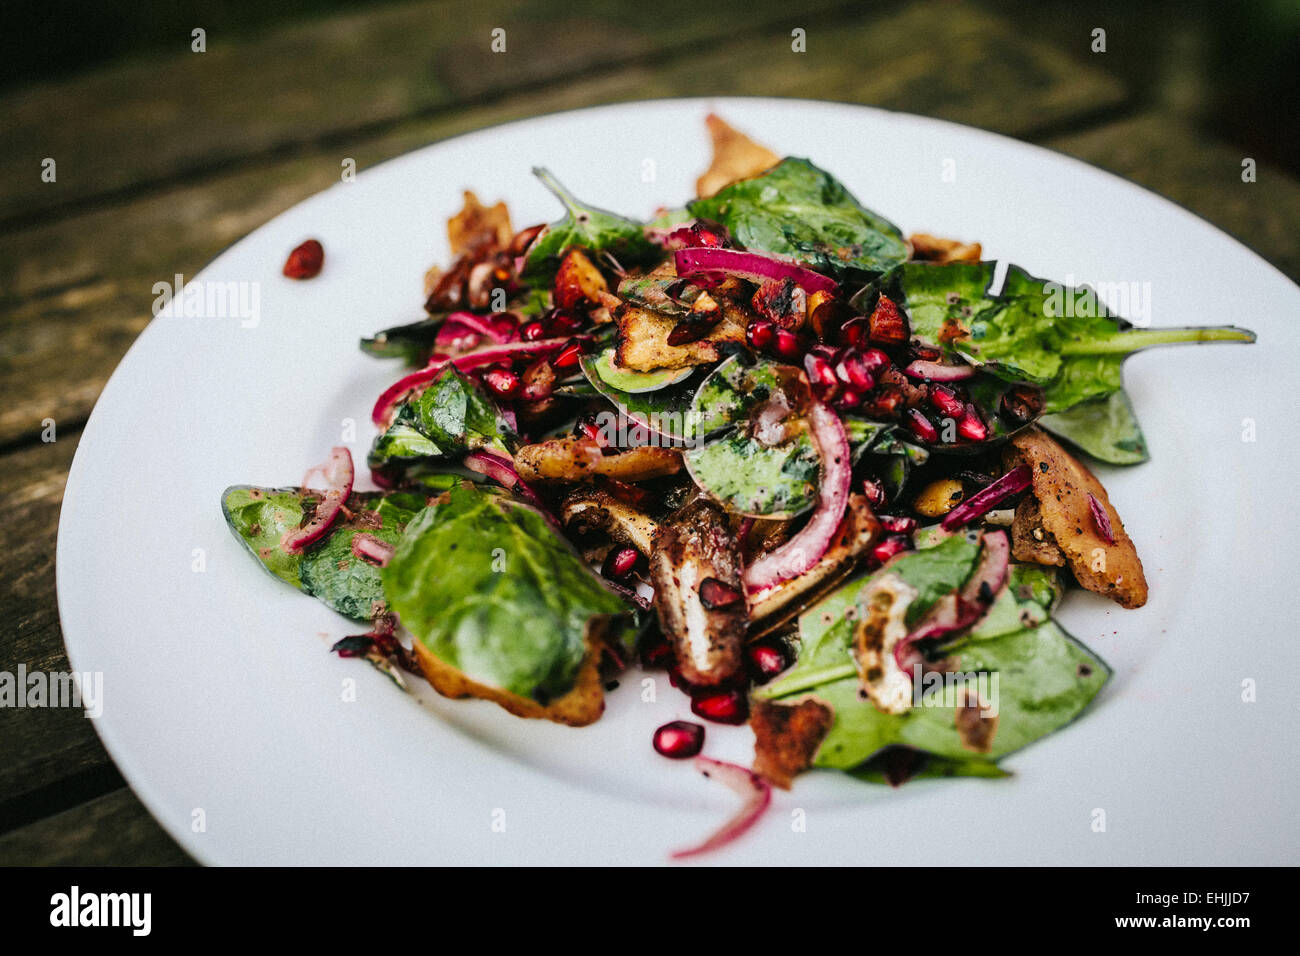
(1045, 678)
(933, 295)
(802, 212)
(412, 342)
(932, 766)
(327, 569)
(826, 629)
(456, 414)
(748, 477)
(585, 227)
(626, 380)
(1105, 428)
(491, 589)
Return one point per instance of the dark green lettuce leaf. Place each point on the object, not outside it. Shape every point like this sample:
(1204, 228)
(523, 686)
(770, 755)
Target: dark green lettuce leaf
(492, 589)
(1105, 428)
(805, 213)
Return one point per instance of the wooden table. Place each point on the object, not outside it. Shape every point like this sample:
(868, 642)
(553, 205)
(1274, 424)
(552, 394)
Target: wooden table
(164, 162)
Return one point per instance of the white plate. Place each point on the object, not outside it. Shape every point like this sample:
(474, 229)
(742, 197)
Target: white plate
(225, 712)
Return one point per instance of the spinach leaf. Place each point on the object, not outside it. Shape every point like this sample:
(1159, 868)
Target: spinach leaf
(873, 771)
(588, 228)
(1045, 678)
(805, 213)
(748, 477)
(826, 629)
(490, 588)
(1105, 428)
(457, 415)
(328, 570)
(412, 342)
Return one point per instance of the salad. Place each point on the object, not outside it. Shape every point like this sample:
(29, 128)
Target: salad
(828, 477)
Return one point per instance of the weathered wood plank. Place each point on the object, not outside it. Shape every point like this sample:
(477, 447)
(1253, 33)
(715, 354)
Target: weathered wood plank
(1181, 164)
(39, 747)
(112, 830)
(77, 290)
(151, 120)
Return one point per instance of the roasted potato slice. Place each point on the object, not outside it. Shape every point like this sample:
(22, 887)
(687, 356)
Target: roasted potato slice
(1061, 486)
(578, 283)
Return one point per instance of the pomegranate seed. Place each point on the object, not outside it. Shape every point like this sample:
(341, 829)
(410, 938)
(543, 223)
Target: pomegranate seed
(658, 654)
(675, 676)
(854, 332)
(620, 563)
(892, 545)
(715, 595)
(721, 706)
(504, 323)
(946, 402)
(766, 661)
(532, 331)
(568, 356)
(971, 427)
(921, 427)
(305, 261)
(760, 333)
(848, 398)
(702, 232)
(501, 382)
(786, 344)
(853, 371)
(560, 324)
(873, 491)
(820, 374)
(587, 428)
(886, 324)
(679, 740)
(897, 524)
(875, 360)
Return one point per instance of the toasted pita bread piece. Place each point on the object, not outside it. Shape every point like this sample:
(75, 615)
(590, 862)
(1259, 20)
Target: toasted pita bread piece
(786, 737)
(928, 248)
(1061, 486)
(581, 706)
(735, 157)
(478, 225)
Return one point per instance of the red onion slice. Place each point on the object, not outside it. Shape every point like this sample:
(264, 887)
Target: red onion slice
(938, 372)
(984, 500)
(1101, 519)
(397, 392)
(706, 260)
(369, 548)
(961, 610)
(478, 325)
(749, 785)
(502, 471)
(338, 474)
(807, 547)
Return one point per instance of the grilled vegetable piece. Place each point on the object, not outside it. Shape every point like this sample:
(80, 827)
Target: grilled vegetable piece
(585, 511)
(695, 569)
(578, 283)
(786, 736)
(735, 157)
(772, 607)
(578, 458)
(1061, 486)
(643, 335)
